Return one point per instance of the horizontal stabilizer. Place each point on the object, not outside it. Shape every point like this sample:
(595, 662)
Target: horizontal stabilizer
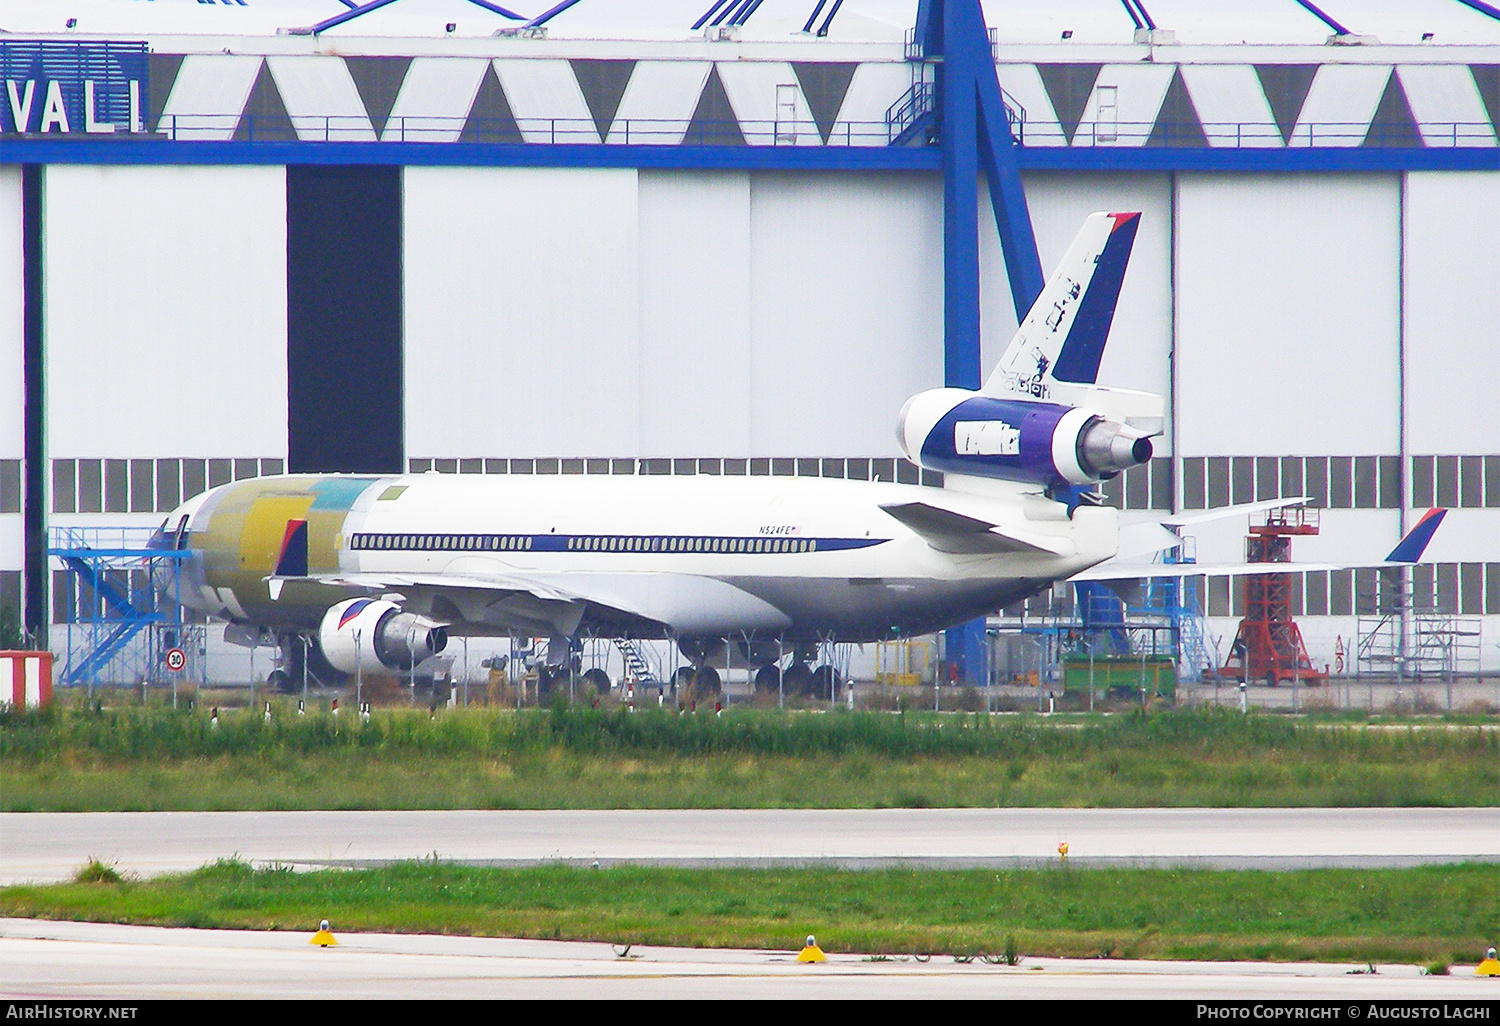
(1243, 509)
(1407, 552)
(948, 531)
(1112, 571)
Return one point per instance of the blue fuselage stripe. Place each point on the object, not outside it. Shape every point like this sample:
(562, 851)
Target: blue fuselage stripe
(623, 544)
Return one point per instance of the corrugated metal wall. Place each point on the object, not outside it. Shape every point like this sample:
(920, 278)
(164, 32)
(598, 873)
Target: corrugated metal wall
(625, 313)
(12, 376)
(166, 311)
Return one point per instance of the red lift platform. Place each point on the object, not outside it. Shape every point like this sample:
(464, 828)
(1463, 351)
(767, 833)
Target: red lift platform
(1268, 646)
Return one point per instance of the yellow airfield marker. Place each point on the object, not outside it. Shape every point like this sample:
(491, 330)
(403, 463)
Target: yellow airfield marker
(1490, 966)
(323, 938)
(811, 952)
(1062, 851)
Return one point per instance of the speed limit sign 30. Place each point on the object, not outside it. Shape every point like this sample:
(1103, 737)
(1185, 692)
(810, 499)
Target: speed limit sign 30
(176, 659)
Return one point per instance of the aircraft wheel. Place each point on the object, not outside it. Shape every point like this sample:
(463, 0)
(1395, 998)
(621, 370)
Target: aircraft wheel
(1271, 680)
(768, 678)
(281, 681)
(548, 680)
(706, 681)
(596, 679)
(797, 679)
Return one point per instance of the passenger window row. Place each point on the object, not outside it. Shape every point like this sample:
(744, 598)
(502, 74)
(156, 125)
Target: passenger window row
(366, 541)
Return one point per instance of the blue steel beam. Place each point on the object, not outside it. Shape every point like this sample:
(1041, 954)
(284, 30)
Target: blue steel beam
(744, 17)
(1140, 5)
(1322, 16)
(973, 130)
(832, 13)
(548, 15)
(710, 13)
(373, 5)
(1482, 8)
(814, 16)
(112, 150)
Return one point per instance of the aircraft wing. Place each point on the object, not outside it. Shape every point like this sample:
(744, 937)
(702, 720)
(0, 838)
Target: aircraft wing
(557, 602)
(1111, 571)
(1407, 552)
(1201, 516)
(508, 601)
(398, 581)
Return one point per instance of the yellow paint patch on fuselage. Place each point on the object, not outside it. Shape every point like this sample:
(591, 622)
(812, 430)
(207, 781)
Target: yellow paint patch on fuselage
(265, 528)
(242, 541)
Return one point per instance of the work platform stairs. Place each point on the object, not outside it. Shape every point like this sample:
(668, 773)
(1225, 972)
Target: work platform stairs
(1177, 600)
(913, 119)
(120, 608)
(636, 664)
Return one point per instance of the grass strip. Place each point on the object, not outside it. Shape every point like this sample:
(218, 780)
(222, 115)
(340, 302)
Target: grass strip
(1419, 915)
(571, 757)
(560, 779)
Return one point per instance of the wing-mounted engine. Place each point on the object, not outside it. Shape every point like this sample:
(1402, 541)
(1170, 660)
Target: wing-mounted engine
(374, 633)
(1049, 444)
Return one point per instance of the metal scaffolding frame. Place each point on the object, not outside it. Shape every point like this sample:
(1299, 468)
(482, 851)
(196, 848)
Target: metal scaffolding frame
(122, 611)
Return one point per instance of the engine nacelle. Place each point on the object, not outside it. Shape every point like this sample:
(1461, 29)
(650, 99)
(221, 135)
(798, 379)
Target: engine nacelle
(961, 432)
(372, 634)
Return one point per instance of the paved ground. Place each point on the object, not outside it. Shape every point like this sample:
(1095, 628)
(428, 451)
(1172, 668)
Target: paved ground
(51, 846)
(76, 961)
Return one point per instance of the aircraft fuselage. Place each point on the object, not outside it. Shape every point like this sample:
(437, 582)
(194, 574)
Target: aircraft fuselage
(792, 558)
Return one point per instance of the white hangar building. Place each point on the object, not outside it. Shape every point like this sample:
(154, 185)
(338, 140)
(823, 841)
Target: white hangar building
(239, 237)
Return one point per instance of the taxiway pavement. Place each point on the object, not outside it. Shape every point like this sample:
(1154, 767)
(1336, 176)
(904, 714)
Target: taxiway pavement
(94, 961)
(52, 846)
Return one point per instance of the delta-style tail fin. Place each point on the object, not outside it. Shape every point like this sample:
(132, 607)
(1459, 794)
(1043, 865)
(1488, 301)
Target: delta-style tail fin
(1410, 548)
(292, 562)
(1062, 337)
(293, 559)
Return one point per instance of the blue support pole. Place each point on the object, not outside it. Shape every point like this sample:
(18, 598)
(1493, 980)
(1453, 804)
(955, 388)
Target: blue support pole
(961, 364)
(974, 131)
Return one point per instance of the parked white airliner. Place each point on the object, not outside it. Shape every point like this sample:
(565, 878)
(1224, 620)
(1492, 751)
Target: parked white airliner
(378, 570)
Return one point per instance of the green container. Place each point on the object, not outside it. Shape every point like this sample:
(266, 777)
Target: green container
(1156, 674)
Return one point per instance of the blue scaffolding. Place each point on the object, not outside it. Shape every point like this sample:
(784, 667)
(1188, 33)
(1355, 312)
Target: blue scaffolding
(122, 608)
(1156, 617)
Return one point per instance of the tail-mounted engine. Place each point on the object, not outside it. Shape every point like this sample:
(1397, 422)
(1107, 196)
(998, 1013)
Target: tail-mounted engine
(1050, 444)
(375, 633)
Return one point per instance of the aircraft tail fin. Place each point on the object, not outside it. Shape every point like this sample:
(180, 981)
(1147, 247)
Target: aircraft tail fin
(1062, 336)
(293, 559)
(1410, 548)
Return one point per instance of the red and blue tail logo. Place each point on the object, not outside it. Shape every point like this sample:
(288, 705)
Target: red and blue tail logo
(293, 559)
(1410, 548)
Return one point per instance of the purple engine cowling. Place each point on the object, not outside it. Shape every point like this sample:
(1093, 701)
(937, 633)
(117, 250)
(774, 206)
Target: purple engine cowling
(961, 432)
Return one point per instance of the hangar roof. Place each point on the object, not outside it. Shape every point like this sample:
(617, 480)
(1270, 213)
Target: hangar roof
(1027, 23)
